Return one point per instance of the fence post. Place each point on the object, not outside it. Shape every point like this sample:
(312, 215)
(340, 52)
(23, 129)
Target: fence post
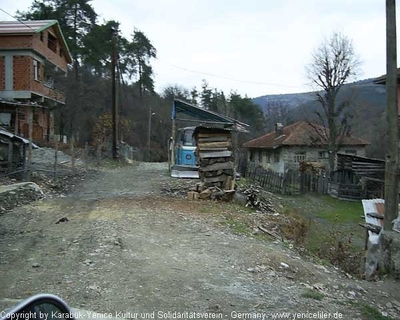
(72, 154)
(55, 160)
(98, 153)
(86, 157)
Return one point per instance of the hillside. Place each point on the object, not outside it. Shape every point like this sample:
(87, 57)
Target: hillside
(367, 110)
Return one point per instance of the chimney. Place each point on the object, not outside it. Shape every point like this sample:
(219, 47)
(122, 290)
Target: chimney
(278, 129)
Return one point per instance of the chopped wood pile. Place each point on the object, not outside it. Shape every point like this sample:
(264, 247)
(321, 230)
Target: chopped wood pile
(215, 157)
(257, 201)
(311, 167)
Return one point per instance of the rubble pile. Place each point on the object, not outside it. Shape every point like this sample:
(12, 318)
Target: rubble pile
(63, 184)
(18, 194)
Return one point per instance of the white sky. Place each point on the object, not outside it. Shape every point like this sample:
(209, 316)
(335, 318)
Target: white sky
(263, 43)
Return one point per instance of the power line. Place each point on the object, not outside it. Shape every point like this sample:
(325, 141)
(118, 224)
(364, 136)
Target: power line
(227, 78)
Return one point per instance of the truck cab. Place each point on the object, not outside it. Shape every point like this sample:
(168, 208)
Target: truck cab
(185, 147)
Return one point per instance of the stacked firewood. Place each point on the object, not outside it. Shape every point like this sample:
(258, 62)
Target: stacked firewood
(256, 200)
(215, 157)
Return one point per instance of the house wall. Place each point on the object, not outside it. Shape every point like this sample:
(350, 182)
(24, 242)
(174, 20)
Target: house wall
(17, 72)
(268, 159)
(22, 73)
(285, 158)
(2, 74)
(33, 42)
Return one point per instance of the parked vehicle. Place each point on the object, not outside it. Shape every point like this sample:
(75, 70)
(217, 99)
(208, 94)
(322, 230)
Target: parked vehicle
(185, 147)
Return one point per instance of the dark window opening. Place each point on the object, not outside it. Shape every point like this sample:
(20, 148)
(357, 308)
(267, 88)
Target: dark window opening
(41, 36)
(52, 42)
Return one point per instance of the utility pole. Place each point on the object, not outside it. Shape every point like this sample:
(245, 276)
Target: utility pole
(392, 155)
(149, 134)
(114, 104)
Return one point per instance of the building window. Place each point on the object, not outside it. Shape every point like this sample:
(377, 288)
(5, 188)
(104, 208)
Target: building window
(41, 36)
(36, 70)
(51, 42)
(259, 156)
(61, 52)
(299, 157)
(251, 155)
(5, 119)
(350, 152)
(323, 155)
(276, 157)
(49, 82)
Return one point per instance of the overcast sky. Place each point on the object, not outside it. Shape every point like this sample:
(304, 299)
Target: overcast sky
(256, 47)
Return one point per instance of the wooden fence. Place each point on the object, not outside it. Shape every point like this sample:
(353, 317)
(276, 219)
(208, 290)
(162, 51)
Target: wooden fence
(291, 182)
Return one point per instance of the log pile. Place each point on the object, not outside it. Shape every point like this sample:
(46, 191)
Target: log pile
(215, 157)
(256, 200)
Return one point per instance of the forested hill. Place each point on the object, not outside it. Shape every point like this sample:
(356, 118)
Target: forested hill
(367, 91)
(367, 106)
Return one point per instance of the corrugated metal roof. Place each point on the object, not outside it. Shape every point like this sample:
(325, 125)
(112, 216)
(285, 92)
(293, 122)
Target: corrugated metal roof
(25, 27)
(32, 27)
(382, 79)
(13, 136)
(180, 106)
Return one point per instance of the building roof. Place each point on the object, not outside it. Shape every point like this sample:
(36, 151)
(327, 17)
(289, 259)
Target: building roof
(382, 79)
(298, 134)
(206, 116)
(30, 27)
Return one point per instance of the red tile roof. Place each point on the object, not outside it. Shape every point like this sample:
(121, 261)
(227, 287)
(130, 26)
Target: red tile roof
(298, 134)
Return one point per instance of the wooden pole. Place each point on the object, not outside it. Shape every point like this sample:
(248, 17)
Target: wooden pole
(149, 134)
(55, 159)
(16, 122)
(10, 156)
(30, 120)
(114, 104)
(392, 156)
(72, 150)
(86, 157)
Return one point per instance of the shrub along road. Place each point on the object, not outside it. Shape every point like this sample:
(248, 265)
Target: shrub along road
(124, 247)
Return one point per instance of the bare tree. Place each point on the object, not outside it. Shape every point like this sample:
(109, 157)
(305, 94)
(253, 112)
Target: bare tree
(334, 63)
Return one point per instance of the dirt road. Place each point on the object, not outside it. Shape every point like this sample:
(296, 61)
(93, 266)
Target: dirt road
(128, 249)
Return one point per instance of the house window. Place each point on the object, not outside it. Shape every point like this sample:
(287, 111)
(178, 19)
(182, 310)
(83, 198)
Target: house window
(323, 155)
(36, 70)
(276, 157)
(299, 157)
(61, 52)
(41, 36)
(5, 119)
(52, 42)
(49, 82)
(251, 155)
(350, 151)
(259, 156)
